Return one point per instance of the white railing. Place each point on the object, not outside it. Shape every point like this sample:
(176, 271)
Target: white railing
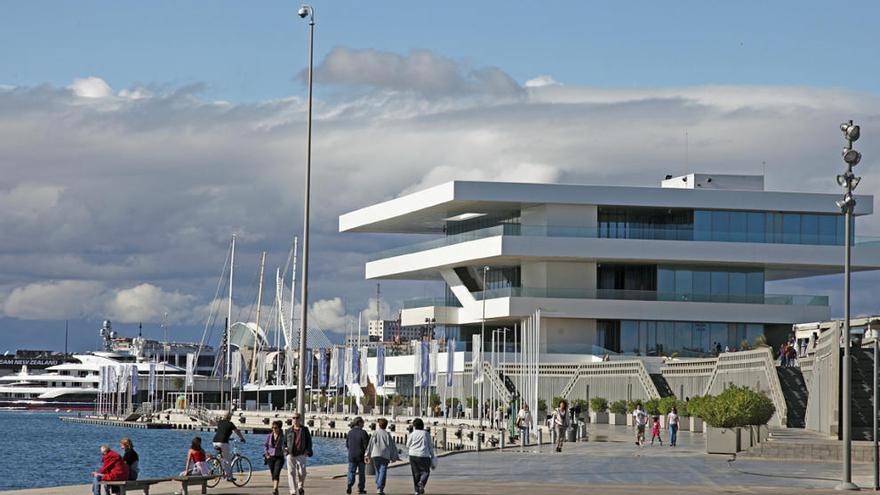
(757, 359)
(496, 381)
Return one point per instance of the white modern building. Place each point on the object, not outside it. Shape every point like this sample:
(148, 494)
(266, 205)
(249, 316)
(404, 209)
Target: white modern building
(651, 271)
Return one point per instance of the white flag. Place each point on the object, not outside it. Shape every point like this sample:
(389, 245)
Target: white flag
(351, 364)
(151, 384)
(236, 369)
(364, 378)
(476, 366)
(134, 379)
(190, 369)
(417, 362)
(432, 367)
(334, 367)
(102, 379)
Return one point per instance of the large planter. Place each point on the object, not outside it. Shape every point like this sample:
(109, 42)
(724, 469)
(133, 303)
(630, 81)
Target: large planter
(629, 420)
(696, 425)
(723, 440)
(598, 418)
(617, 419)
(684, 424)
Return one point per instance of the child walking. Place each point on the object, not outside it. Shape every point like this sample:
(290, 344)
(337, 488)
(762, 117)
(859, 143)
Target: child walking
(655, 430)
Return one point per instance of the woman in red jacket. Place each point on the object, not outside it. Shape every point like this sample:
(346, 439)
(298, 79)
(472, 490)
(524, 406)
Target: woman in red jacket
(113, 468)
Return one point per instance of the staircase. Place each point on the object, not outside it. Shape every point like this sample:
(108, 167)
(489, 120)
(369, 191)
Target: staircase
(794, 389)
(862, 393)
(662, 385)
(498, 382)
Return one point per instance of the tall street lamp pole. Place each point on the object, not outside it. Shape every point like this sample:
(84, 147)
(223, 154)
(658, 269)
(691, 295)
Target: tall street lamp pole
(848, 181)
(304, 11)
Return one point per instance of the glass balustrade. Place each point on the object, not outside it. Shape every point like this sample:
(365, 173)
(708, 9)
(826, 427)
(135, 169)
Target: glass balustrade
(665, 233)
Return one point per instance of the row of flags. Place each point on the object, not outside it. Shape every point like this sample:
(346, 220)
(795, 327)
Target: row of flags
(342, 366)
(123, 378)
(337, 367)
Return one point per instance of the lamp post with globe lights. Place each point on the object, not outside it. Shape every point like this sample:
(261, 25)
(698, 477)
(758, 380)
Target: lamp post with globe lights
(306, 11)
(849, 182)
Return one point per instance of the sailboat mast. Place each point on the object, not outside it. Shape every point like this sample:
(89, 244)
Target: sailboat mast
(287, 354)
(229, 309)
(259, 307)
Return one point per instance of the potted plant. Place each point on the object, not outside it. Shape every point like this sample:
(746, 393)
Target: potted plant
(598, 410)
(729, 414)
(693, 407)
(684, 413)
(618, 412)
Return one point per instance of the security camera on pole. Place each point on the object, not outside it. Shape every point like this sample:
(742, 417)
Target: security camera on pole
(849, 182)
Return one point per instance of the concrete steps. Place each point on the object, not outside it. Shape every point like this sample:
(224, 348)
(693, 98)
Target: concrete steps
(794, 389)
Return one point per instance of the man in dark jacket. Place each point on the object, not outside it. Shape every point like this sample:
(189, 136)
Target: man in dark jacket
(357, 440)
(298, 445)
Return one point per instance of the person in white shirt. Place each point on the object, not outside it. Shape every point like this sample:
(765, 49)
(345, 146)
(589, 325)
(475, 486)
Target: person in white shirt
(421, 455)
(524, 423)
(672, 422)
(560, 422)
(640, 419)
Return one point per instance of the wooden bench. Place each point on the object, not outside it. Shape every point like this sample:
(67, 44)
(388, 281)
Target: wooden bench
(143, 485)
(194, 480)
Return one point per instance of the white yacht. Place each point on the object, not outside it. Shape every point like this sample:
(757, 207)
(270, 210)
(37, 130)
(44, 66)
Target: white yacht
(71, 385)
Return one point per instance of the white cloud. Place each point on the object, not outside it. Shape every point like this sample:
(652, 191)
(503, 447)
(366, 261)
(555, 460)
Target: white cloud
(153, 187)
(55, 300)
(541, 81)
(90, 87)
(146, 302)
(26, 202)
(422, 71)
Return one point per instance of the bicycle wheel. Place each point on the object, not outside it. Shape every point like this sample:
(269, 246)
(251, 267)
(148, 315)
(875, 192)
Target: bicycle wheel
(216, 470)
(241, 471)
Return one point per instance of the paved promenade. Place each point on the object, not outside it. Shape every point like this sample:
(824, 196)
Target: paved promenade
(609, 463)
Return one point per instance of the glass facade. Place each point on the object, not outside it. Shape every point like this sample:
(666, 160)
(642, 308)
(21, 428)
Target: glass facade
(710, 284)
(662, 338)
(769, 227)
(720, 225)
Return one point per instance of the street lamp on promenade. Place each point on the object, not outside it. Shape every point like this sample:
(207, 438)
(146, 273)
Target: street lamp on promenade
(848, 181)
(306, 11)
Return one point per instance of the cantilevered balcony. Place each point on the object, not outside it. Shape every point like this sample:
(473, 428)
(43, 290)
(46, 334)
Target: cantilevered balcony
(647, 295)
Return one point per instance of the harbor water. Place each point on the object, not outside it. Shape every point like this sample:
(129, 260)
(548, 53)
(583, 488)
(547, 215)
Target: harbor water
(40, 450)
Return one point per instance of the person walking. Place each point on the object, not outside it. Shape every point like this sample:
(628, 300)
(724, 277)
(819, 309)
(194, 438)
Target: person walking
(298, 446)
(273, 454)
(130, 456)
(524, 423)
(113, 468)
(381, 451)
(225, 429)
(422, 459)
(655, 431)
(640, 418)
(560, 423)
(357, 441)
(672, 424)
(196, 459)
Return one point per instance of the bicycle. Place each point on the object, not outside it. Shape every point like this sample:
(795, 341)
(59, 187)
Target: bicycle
(241, 467)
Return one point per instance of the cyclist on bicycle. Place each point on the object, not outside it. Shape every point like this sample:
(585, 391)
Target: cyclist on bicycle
(225, 428)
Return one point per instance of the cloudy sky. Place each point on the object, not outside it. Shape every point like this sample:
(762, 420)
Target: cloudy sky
(137, 137)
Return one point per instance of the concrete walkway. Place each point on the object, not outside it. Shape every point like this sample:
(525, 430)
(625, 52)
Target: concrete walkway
(608, 463)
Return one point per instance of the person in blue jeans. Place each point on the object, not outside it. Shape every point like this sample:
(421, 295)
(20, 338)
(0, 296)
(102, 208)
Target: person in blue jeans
(672, 423)
(357, 440)
(381, 451)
